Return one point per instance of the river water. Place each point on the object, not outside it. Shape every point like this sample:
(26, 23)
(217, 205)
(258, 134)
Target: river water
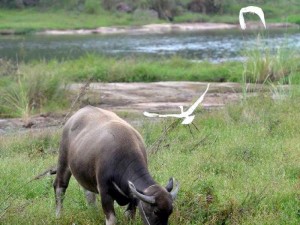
(214, 46)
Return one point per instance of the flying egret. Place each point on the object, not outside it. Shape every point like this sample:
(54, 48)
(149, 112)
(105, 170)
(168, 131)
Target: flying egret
(251, 9)
(186, 115)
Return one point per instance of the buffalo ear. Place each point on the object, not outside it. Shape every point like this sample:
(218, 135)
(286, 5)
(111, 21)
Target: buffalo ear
(169, 186)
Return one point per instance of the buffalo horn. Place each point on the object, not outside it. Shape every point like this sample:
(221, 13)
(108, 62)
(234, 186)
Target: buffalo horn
(169, 186)
(144, 198)
(175, 190)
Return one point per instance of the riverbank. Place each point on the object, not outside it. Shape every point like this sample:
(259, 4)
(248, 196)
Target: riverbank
(104, 22)
(29, 88)
(165, 28)
(153, 29)
(132, 99)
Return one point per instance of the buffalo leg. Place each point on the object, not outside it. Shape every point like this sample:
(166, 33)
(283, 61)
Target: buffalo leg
(90, 198)
(108, 207)
(131, 209)
(60, 185)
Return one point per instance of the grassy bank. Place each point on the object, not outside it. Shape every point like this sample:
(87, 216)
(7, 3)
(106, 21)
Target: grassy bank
(37, 87)
(67, 15)
(242, 167)
(30, 20)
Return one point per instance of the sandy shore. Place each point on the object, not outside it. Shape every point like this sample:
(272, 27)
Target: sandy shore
(165, 28)
(155, 29)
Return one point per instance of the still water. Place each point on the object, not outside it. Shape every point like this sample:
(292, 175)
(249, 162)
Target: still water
(211, 46)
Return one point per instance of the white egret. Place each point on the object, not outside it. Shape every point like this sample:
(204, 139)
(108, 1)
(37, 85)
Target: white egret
(251, 9)
(186, 115)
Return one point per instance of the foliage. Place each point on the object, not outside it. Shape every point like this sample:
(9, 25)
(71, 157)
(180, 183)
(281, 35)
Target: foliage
(39, 86)
(91, 6)
(35, 20)
(57, 11)
(31, 90)
(109, 69)
(266, 65)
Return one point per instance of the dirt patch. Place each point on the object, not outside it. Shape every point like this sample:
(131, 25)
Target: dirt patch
(158, 97)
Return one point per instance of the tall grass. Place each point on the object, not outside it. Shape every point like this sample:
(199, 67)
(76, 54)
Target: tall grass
(271, 66)
(15, 100)
(268, 64)
(143, 69)
(31, 90)
(37, 86)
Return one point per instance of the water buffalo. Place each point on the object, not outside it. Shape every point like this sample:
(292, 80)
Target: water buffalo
(106, 155)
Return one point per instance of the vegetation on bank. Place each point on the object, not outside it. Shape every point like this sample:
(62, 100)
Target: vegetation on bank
(36, 87)
(24, 16)
(34, 20)
(241, 167)
(41, 86)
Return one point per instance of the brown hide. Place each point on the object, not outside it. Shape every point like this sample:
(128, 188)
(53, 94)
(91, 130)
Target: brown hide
(104, 153)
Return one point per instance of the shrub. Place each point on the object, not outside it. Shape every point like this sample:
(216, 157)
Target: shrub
(268, 65)
(31, 90)
(91, 6)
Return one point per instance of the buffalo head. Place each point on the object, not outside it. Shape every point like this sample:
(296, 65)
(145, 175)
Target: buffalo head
(155, 202)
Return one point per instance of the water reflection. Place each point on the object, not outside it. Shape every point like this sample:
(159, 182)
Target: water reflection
(211, 46)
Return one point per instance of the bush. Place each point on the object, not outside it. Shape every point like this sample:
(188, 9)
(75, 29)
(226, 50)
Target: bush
(12, 3)
(31, 90)
(91, 6)
(267, 65)
(205, 6)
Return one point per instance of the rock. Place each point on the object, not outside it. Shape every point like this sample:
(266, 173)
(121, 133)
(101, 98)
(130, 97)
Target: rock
(145, 14)
(197, 6)
(18, 4)
(123, 7)
(28, 124)
(30, 2)
(204, 6)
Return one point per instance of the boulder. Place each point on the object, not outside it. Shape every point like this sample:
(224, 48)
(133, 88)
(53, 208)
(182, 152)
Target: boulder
(145, 14)
(204, 6)
(30, 2)
(123, 7)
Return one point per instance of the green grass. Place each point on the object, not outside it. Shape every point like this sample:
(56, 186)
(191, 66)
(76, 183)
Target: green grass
(274, 10)
(109, 69)
(28, 20)
(27, 90)
(202, 18)
(38, 86)
(294, 19)
(148, 70)
(264, 65)
(92, 15)
(242, 167)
